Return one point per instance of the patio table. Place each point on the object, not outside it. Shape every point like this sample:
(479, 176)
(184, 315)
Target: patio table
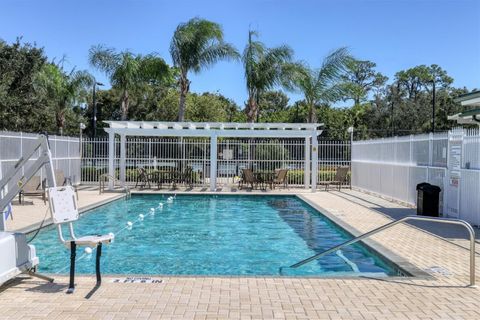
(168, 176)
(265, 178)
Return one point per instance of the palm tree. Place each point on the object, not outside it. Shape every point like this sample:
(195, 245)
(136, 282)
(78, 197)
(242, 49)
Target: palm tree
(322, 85)
(65, 90)
(195, 46)
(127, 72)
(265, 68)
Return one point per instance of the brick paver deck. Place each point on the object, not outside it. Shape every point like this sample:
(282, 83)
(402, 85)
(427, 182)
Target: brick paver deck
(443, 296)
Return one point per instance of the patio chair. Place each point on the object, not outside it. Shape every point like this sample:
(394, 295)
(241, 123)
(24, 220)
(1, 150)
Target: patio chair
(177, 177)
(142, 178)
(280, 178)
(248, 178)
(339, 178)
(61, 180)
(188, 177)
(34, 187)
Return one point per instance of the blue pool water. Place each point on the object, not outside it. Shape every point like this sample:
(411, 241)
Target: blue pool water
(211, 235)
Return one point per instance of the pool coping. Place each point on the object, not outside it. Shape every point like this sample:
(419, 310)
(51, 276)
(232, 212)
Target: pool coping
(397, 261)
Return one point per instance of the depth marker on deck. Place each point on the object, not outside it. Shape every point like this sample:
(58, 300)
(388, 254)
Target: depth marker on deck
(136, 280)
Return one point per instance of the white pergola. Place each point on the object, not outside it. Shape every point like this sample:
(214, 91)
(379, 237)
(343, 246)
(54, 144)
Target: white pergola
(215, 130)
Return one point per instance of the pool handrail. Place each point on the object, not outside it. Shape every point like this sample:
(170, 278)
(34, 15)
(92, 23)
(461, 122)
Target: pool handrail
(393, 223)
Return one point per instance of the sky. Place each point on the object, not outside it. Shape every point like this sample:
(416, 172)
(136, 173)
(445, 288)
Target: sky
(395, 34)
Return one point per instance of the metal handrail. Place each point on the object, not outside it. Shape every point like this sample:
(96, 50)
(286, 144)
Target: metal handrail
(106, 177)
(393, 223)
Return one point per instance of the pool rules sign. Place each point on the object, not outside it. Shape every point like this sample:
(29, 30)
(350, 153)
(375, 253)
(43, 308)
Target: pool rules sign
(454, 163)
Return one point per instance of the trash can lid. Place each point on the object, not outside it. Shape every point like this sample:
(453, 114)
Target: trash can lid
(423, 185)
(427, 187)
(434, 188)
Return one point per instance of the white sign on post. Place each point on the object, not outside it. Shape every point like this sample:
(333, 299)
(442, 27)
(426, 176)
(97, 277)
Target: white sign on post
(454, 166)
(455, 163)
(227, 154)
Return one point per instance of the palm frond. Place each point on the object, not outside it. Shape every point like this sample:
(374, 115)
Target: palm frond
(216, 52)
(333, 66)
(272, 69)
(323, 84)
(199, 43)
(103, 58)
(127, 73)
(291, 73)
(154, 69)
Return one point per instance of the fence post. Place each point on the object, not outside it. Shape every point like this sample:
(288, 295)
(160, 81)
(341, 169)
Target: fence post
(213, 162)
(111, 158)
(314, 161)
(410, 166)
(430, 155)
(123, 153)
(350, 130)
(306, 164)
(21, 150)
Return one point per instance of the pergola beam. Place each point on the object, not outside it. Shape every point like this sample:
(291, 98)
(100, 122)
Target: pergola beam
(219, 133)
(214, 125)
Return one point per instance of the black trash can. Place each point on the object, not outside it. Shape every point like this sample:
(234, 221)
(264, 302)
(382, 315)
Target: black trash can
(427, 199)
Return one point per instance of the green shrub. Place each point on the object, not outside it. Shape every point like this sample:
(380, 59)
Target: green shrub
(91, 174)
(131, 174)
(295, 176)
(325, 174)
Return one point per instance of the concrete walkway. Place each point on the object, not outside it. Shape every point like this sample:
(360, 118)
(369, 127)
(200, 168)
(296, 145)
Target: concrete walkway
(395, 211)
(29, 215)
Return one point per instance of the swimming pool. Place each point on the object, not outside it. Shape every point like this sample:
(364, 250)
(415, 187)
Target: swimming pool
(212, 235)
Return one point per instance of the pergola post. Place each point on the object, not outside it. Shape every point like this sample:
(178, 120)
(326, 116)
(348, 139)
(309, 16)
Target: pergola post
(123, 142)
(111, 158)
(306, 164)
(314, 160)
(213, 162)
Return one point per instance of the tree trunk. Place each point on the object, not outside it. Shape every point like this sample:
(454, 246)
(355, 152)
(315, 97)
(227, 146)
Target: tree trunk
(312, 114)
(125, 105)
(60, 118)
(60, 122)
(252, 110)
(356, 100)
(184, 88)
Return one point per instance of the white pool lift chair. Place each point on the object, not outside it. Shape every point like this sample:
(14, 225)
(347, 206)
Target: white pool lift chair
(64, 209)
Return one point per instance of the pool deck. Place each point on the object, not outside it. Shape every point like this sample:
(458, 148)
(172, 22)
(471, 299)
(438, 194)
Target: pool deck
(443, 295)
(29, 215)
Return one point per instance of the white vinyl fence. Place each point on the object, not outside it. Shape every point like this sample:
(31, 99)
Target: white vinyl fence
(393, 167)
(65, 153)
(234, 154)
